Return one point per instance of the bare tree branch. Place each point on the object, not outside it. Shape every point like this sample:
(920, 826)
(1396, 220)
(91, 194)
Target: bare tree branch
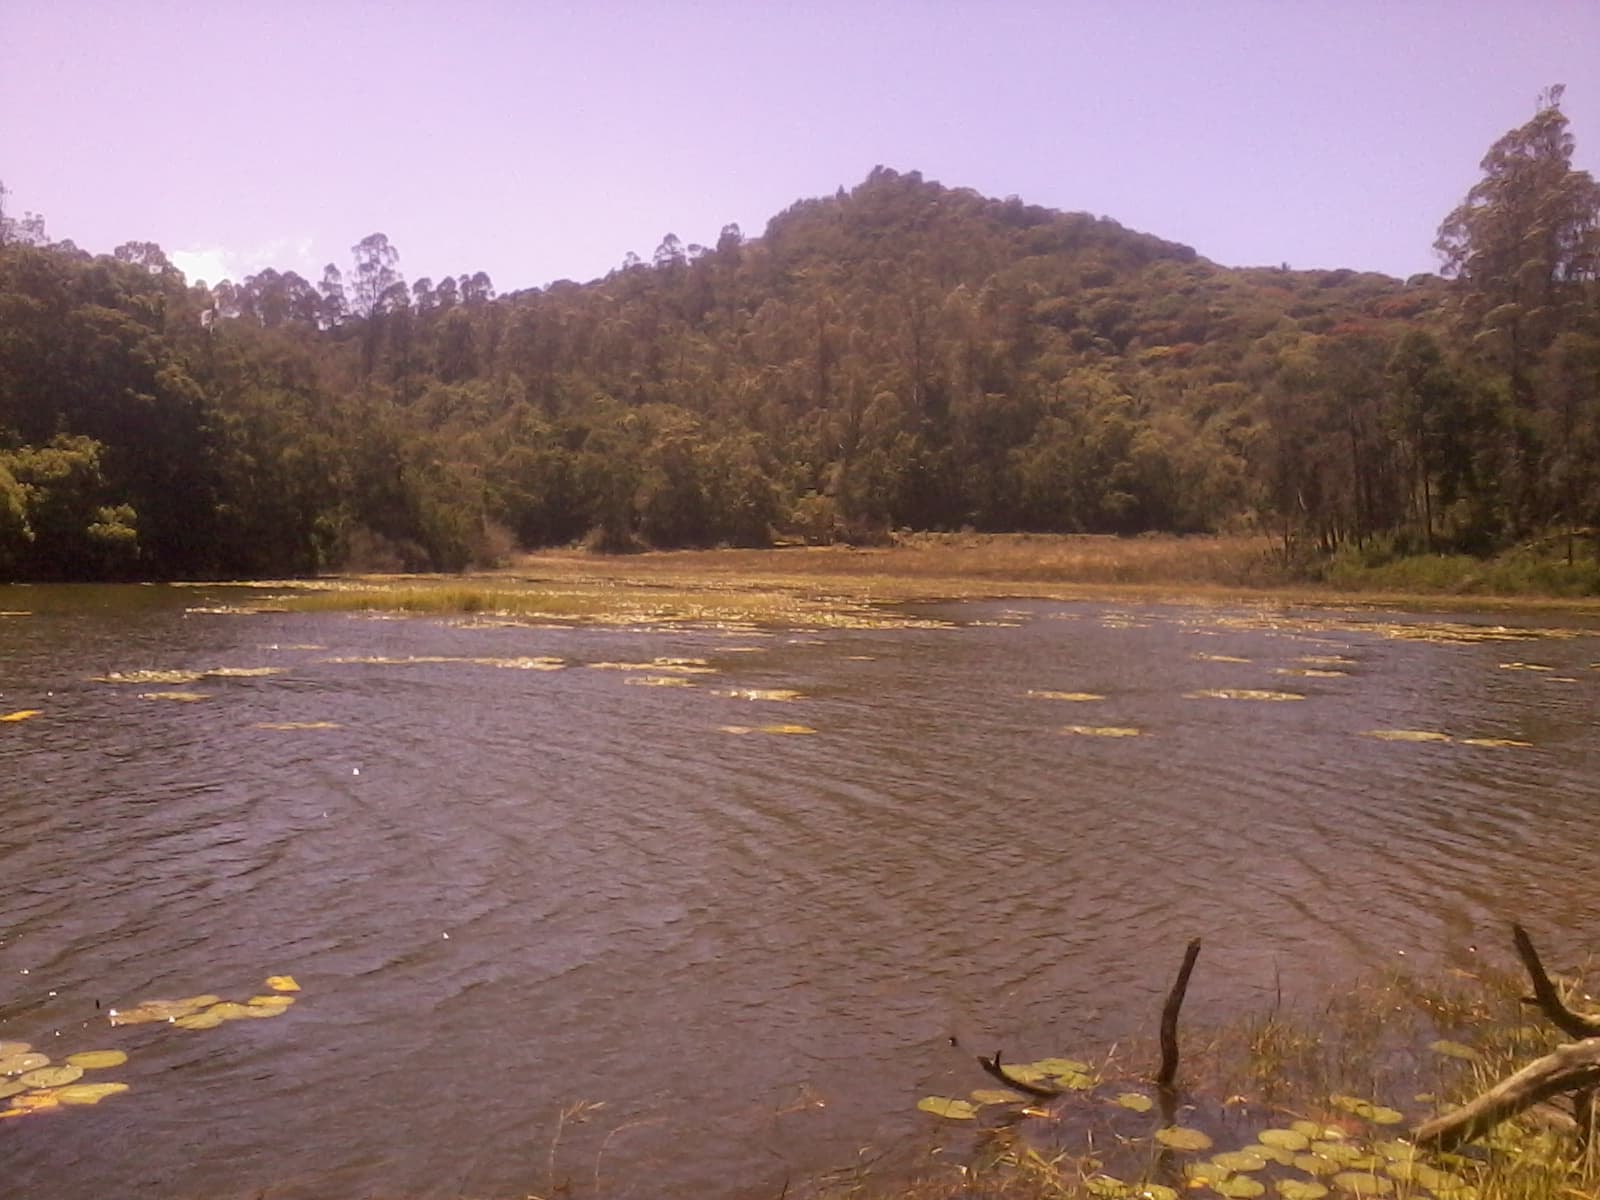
(1575, 1065)
(992, 1065)
(1545, 994)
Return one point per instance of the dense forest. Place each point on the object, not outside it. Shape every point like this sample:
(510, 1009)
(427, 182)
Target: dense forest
(902, 354)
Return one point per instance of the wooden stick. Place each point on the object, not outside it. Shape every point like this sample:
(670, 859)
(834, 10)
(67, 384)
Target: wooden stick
(1575, 1065)
(1169, 1018)
(992, 1065)
(1545, 994)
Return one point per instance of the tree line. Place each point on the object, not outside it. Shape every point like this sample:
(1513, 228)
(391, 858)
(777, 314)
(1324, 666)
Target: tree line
(901, 354)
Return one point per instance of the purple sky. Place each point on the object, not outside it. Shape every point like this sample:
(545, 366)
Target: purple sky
(542, 140)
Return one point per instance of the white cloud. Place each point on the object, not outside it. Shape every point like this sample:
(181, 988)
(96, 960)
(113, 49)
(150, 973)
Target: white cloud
(213, 264)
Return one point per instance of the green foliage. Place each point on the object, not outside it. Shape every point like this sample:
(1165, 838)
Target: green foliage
(901, 355)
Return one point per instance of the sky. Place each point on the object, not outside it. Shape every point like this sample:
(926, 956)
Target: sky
(543, 140)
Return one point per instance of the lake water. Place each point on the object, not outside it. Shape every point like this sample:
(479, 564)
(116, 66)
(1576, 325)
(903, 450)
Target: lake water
(507, 890)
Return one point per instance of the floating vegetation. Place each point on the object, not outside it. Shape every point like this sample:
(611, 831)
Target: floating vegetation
(1452, 1049)
(536, 663)
(235, 610)
(1495, 742)
(1108, 731)
(982, 1096)
(293, 725)
(22, 714)
(97, 1060)
(49, 1077)
(1522, 666)
(1220, 658)
(659, 681)
(1178, 1138)
(282, 983)
(1134, 1102)
(150, 1011)
(1311, 672)
(186, 676)
(778, 694)
(88, 1093)
(15, 612)
(175, 697)
(151, 676)
(679, 666)
(1240, 694)
(1077, 697)
(1407, 735)
(1367, 1110)
(1326, 660)
(951, 1110)
(777, 729)
(22, 1062)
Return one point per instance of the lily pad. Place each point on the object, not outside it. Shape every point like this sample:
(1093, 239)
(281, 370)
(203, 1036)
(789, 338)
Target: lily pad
(282, 983)
(199, 1020)
(161, 1010)
(243, 672)
(96, 1060)
(1395, 1150)
(982, 1096)
(659, 681)
(1317, 1132)
(1284, 1139)
(776, 729)
(1241, 694)
(175, 697)
(1300, 1189)
(952, 1110)
(49, 1077)
(88, 1093)
(1061, 1066)
(1239, 1187)
(288, 726)
(1108, 1188)
(1198, 1173)
(1311, 672)
(150, 677)
(17, 1064)
(1367, 1110)
(10, 1087)
(1454, 1050)
(1408, 735)
(1240, 1160)
(11, 1049)
(1316, 1164)
(1135, 1102)
(1339, 1152)
(1156, 1191)
(270, 1001)
(1363, 1183)
(1222, 658)
(777, 694)
(1496, 742)
(1076, 697)
(1177, 1137)
(1111, 731)
(22, 714)
(35, 1101)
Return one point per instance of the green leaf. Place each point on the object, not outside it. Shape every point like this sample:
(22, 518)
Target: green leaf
(982, 1096)
(1240, 1187)
(1240, 1160)
(1135, 1102)
(1362, 1183)
(952, 1110)
(1300, 1189)
(1177, 1137)
(1284, 1139)
(1454, 1050)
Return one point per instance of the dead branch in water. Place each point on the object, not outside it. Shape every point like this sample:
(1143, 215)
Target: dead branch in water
(1544, 992)
(992, 1065)
(1574, 1068)
(1571, 1067)
(1169, 1018)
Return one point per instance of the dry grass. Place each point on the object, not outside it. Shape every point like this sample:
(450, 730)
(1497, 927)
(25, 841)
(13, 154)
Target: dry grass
(844, 586)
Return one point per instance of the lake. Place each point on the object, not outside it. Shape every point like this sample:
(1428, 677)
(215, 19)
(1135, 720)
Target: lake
(737, 887)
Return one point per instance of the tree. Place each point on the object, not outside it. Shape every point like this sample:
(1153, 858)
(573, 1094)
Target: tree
(1523, 248)
(376, 262)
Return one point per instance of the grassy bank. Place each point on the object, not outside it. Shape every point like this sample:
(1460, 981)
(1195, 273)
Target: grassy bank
(838, 585)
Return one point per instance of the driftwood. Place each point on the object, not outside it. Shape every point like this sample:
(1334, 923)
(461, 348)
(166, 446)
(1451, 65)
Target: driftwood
(1573, 1068)
(1169, 1041)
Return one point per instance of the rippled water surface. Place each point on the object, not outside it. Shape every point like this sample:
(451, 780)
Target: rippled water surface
(506, 890)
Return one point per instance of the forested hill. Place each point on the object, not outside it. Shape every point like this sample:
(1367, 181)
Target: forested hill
(899, 355)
